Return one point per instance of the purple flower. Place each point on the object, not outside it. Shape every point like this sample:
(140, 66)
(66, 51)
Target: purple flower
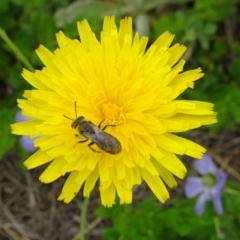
(26, 141)
(209, 187)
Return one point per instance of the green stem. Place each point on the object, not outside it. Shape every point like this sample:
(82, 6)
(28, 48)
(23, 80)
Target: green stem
(217, 227)
(232, 191)
(15, 50)
(83, 218)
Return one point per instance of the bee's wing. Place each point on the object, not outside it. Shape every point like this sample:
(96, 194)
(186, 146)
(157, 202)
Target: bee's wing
(107, 142)
(93, 134)
(104, 140)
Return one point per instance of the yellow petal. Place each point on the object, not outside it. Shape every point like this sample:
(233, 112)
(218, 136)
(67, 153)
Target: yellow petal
(156, 185)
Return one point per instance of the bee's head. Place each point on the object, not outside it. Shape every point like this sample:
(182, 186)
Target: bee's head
(78, 121)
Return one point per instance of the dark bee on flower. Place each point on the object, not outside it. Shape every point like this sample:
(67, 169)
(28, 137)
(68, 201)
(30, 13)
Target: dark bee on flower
(96, 135)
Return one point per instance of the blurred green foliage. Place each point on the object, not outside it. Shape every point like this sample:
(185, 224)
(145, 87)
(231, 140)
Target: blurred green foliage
(7, 139)
(152, 221)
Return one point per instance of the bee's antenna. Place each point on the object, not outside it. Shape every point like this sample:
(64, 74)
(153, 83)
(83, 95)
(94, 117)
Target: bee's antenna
(75, 107)
(68, 117)
(75, 104)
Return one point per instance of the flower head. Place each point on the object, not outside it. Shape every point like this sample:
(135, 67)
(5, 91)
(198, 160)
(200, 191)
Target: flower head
(114, 81)
(208, 187)
(26, 141)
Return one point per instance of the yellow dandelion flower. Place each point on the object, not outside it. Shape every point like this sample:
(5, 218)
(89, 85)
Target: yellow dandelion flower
(114, 81)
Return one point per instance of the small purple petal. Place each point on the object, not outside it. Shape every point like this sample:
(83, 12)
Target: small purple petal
(221, 180)
(200, 205)
(193, 186)
(205, 165)
(217, 201)
(27, 143)
(20, 118)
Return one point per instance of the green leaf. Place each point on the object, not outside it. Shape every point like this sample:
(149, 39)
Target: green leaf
(47, 29)
(16, 80)
(7, 139)
(215, 10)
(4, 5)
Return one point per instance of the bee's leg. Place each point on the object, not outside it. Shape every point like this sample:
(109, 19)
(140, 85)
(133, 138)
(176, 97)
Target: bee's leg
(109, 125)
(99, 125)
(90, 146)
(81, 141)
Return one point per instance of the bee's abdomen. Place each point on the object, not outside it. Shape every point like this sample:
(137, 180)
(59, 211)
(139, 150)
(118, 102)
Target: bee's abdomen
(110, 144)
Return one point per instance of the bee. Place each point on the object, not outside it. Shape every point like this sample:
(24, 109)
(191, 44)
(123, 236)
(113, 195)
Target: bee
(95, 134)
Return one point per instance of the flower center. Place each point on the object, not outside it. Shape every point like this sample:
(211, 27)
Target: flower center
(209, 180)
(112, 112)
